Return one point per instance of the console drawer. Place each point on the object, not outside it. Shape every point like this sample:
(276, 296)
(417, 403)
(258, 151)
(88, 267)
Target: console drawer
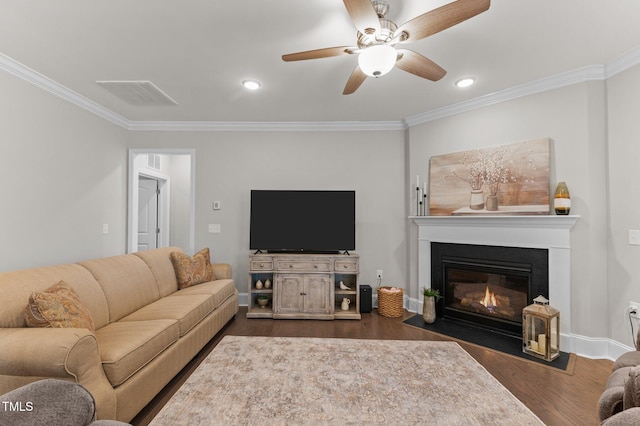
(307, 266)
(261, 265)
(346, 266)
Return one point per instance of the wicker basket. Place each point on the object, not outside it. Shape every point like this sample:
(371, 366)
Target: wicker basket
(390, 304)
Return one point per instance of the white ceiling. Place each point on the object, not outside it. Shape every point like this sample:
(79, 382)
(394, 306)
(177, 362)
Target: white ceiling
(199, 51)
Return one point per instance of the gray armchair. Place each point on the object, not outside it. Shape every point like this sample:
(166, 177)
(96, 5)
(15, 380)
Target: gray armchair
(50, 402)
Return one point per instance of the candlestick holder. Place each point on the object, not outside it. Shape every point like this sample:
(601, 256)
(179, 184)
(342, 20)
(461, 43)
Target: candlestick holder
(417, 201)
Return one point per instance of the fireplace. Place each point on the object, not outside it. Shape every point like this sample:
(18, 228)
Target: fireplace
(488, 286)
(551, 233)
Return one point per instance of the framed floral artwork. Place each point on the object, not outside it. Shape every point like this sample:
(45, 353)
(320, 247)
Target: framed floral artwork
(509, 179)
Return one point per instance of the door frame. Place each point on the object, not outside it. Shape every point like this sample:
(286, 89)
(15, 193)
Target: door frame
(132, 207)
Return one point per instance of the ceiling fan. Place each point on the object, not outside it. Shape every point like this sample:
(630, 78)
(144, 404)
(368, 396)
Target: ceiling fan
(378, 37)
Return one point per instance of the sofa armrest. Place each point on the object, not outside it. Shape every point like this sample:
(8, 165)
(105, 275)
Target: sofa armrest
(221, 271)
(49, 401)
(610, 402)
(63, 353)
(43, 351)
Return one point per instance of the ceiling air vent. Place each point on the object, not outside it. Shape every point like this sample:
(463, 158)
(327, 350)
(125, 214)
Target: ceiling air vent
(138, 92)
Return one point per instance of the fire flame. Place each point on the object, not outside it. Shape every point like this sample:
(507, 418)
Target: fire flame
(489, 300)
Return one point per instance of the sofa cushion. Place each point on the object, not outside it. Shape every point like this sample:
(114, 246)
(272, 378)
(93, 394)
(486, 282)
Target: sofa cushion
(126, 281)
(127, 346)
(159, 262)
(192, 270)
(188, 310)
(221, 290)
(57, 307)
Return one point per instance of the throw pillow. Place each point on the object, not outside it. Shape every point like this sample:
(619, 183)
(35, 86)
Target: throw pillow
(192, 270)
(58, 307)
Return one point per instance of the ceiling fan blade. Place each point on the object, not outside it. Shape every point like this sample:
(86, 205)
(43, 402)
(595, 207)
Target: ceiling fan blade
(318, 53)
(355, 80)
(441, 18)
(363, 15)
(417, 64)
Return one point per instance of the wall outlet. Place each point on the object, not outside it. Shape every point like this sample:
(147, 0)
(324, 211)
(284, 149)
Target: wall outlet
(379, 274)
(634, 307)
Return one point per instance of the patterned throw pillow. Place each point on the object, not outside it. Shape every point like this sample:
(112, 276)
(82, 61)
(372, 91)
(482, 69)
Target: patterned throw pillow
(57, 307)
(192, 270)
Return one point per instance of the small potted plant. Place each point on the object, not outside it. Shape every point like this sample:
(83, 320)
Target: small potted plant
(262, 300)
(429, 304)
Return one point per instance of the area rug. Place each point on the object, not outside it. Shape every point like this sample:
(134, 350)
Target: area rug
(506, 344)
(314, 381)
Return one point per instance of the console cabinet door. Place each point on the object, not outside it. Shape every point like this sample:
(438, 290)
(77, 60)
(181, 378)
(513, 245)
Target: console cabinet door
(317, 295)
(289, 294)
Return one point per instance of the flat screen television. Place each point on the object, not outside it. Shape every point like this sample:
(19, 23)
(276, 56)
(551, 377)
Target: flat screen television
(303, 221)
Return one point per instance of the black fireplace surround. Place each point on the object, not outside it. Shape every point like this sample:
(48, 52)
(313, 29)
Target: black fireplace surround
(522, 273)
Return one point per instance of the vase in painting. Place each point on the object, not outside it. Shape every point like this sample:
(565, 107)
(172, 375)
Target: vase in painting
(476, 202)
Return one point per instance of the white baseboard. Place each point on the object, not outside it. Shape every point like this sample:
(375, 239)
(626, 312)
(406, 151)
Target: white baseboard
(588, 347)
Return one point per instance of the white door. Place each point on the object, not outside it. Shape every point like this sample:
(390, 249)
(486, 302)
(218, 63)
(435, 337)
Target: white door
(148, 190)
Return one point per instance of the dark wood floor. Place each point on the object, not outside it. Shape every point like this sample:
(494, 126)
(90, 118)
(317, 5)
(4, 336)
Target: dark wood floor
(555, 397)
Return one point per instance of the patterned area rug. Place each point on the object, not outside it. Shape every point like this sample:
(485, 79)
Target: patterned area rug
(313, 381)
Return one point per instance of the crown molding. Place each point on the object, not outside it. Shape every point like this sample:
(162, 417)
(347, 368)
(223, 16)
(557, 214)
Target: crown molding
(580, 75)
(264, 126)
(622, 63)
(43, 82)
(592, 72)
(588, 73)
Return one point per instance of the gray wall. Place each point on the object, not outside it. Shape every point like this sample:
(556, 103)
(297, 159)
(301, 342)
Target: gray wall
(63, 174)
(229, 165)
(623, 200)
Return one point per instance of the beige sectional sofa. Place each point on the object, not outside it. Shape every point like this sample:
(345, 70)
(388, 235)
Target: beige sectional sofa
(146, 330)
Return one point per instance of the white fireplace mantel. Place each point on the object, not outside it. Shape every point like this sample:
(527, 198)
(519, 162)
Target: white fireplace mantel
(541, 231)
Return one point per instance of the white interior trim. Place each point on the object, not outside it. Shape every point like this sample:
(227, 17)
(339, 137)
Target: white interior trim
(549, 232)
(592, 72)
(132, 207)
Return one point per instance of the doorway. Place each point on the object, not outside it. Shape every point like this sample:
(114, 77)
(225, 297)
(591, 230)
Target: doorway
(161, 199)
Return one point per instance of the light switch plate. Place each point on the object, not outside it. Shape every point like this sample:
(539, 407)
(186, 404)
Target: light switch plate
(214, 228)
(634, 237)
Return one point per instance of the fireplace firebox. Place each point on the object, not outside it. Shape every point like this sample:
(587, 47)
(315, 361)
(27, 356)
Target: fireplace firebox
(488, 286)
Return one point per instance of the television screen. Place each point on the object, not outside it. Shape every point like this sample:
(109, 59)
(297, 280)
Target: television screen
(303, 221)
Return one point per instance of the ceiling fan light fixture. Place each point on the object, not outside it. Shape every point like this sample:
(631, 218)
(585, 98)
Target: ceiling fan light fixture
(251, 84)
(377, 60)
(465, 82)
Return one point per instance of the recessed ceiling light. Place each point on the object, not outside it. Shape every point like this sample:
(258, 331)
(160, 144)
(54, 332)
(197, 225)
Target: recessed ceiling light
(465, 82)
(251, 84)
